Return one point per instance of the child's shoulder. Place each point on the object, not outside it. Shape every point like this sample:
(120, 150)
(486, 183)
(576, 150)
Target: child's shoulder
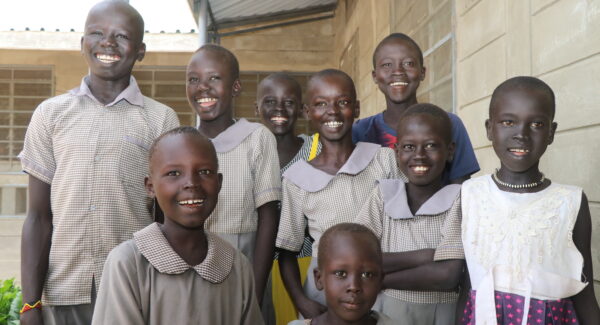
(365, 122)
(156, 106)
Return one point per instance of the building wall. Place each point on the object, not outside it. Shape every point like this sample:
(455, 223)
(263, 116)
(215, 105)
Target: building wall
(556, 41)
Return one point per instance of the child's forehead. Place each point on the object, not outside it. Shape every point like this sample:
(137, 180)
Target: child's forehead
(518, 98)
(205, 57)
(330, 84)
(109, 10)
(354, 241)
(396, 45)
(273, 85)
(183, 142)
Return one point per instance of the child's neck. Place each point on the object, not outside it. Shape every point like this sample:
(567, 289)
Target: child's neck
(190, 245)
(288, 145)
(105, 91)
(417, 195)
(329, 318)
(334, 154)
(393, 111)
(213, 128)
(529, 176)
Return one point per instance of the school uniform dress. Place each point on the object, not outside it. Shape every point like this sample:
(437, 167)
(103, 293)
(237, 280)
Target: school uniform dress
(374, 129)
(315, 200)
(436, 225)
(95, 158)
(519, 248)
(147, 282)
(381, 320)
(248, 160)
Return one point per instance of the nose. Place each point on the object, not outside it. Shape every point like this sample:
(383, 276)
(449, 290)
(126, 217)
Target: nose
(192, 181)
(521, 133)
(108, 40)
(354, 284)
(420, 152)
(398, 69)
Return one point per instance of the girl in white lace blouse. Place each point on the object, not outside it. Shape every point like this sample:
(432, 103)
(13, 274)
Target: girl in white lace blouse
(526, 239)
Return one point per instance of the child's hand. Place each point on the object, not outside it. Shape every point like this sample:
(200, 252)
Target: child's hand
(311, 309)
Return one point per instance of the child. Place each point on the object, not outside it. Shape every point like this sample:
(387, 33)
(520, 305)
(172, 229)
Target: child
(331, 188)
(246, 215)
(178, 273)
(86, 153)
(398, 70)
(350, 272)
(526, 239)
(418, 223)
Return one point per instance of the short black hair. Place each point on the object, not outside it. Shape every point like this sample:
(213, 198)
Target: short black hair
(349, 228)
(185, 130)
(333, 72)
(124, 5)
(400, 36)
(525, 83)
(436, 113)
(282, 76)
(227, 54)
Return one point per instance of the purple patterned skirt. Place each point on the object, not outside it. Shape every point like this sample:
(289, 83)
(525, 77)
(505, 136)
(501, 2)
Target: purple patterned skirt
(509, 310)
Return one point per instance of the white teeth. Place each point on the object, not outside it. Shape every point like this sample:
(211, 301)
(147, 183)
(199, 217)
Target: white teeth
(334, 124)
(420, 168)
(519, 150)
(105, 58)
(187, 202)
(399, 83)
(206, 100)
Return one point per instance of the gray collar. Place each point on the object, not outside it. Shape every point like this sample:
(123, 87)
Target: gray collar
(234, 135)
(131, 94)
(311, 179)
(395, 202)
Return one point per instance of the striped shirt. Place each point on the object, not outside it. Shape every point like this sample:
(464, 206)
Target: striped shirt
(317, 200)
(95, 158)
(248, 160)
(435, 225)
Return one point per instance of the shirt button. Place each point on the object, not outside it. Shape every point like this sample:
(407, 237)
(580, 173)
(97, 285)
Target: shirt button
(97, 158)
(92, 208)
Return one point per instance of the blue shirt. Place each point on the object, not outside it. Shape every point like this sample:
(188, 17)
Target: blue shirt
(373, 129)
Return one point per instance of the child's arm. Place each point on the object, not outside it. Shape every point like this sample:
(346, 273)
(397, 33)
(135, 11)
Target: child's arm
(290, 274)
(35, 247)
(119, 296)
(463, 297)
(268, 221)
(585, 302)
(436, 276)
(398, 261)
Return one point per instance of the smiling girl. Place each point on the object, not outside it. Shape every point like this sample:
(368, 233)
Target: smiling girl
(331, 188)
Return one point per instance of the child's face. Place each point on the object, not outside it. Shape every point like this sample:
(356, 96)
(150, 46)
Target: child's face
(278, 105)
(211, 85)
(421, 149)
(398, 71)
(184, 180)
(520, 128)
(332, 106)
(112, 42)
(351, 276)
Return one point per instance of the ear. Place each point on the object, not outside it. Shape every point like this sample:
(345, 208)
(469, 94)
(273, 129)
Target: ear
(81, 45)
(237, 87)
(552, 131)
(357, 109)
(488, 129)
(318, 280)
(256, 113)
(451, 149)
(220, 181)
(149, 186)
(373, 76)
(423, 73)
(305, 111)
(141, 52)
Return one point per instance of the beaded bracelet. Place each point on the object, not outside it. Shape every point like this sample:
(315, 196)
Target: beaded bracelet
(28, 307)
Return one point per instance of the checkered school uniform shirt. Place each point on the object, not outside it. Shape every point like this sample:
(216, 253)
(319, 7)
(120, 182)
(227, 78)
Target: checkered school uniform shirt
(317, 200)
(248, 160)
(215, 267)
(95, 158)
(435, 225)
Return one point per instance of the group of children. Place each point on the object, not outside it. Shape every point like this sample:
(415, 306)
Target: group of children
(395, 238)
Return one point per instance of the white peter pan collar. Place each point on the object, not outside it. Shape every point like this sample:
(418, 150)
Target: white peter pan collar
(395, 202)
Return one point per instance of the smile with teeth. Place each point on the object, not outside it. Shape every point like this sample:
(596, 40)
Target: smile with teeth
(206, 102)
(191, 202)
(334, 124)
(107, 58)
(420, 169)
(518, 151)
(399, 84)
(279, 120)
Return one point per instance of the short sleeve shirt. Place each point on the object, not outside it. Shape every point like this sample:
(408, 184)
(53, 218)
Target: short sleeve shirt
(317, 200)
(435, 225)
(373, 129)
(248, 160)
(95, 158)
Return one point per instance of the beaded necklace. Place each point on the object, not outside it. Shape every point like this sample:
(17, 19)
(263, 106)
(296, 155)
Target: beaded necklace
(518, 186)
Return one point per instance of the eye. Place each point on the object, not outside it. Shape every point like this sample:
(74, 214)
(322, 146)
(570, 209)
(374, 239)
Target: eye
(213, 78)
(269, 102)
(321, 104)
(430, 146)
(507, 123)
(173, 173)
(343, 102)
(367, 275)
(192, 80)
(386, 65)
(409, 64)
(122, 36)
(289, 103)
(205, 172)
(340, 273)
(95, 33)
(407, 147)
(537, 124)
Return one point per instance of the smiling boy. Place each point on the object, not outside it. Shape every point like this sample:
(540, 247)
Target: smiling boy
(85, 153)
